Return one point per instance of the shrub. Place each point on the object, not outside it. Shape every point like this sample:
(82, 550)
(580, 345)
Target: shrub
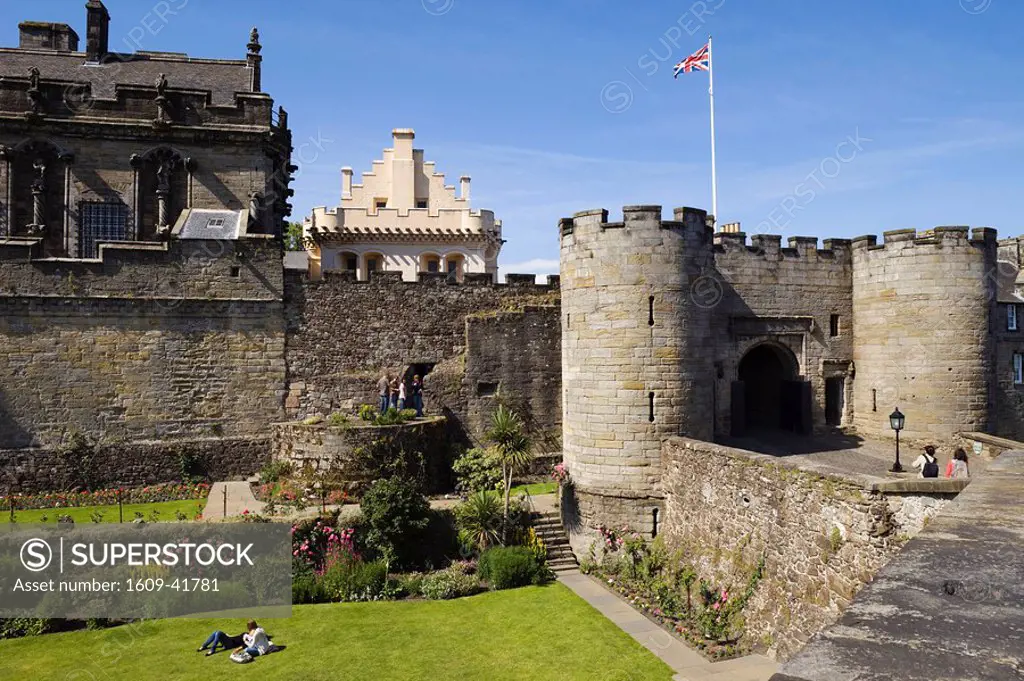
(367, 412)
(412, 583)
(393, 417)
(307, 589)
(337, 419)
(478, 520)
(351, 579)
(17, 627)
(396, 515)
(447, 584)
(507, 567)
(476, 470)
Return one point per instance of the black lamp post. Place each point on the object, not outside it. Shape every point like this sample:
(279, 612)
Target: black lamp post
(896, 421)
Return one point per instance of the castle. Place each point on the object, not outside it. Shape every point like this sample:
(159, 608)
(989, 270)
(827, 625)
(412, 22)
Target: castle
(403, 218)
(142, 259)
(669, 329)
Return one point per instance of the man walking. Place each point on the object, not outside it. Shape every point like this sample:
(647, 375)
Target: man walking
(383, 393)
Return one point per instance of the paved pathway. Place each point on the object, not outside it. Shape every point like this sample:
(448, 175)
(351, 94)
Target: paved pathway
(239, 499)
(688, 663)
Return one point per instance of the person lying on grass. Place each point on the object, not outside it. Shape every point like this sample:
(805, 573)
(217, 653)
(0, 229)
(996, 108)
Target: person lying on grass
(219, 638)
(256, 640)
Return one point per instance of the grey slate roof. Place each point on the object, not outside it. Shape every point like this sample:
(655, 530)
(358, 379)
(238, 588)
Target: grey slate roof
(223, 78)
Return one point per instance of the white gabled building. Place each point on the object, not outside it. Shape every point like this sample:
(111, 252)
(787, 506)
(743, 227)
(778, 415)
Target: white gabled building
(403, 218)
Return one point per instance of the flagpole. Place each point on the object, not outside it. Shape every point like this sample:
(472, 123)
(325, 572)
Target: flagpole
(714, 175)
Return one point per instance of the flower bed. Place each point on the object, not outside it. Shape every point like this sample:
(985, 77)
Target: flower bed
(669, 591)
(107, 497)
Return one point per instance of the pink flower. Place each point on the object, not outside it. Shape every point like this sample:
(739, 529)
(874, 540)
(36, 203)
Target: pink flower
(715, 606)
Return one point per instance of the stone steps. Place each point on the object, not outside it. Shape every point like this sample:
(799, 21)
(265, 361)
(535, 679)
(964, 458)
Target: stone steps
(548, 527)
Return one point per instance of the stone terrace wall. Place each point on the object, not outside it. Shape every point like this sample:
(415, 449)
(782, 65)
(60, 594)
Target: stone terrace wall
(516, 357)
(950, 606)
(131, 464)
(822, 538)
(342, 334)
(321, 445)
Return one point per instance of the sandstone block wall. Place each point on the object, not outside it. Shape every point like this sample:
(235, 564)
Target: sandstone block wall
(183, 341)
(763, 292)
(342, 334)
(636, 357)
(923, 335)
(822, 538)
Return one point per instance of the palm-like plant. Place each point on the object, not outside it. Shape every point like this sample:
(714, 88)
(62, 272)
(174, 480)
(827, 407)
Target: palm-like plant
(513, 451)
(479, 520)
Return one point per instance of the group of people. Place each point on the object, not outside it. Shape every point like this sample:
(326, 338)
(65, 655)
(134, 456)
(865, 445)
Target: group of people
(394, 393)
(928, 463)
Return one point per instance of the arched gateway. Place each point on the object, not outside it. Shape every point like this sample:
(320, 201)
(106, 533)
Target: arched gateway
(770, 393)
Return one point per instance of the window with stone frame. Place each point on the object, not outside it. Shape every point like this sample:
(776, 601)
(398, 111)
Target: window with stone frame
(1018, 368)
(1011, 317)
(100, 221)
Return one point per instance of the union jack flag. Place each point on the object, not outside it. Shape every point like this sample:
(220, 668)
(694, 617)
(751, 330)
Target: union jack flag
(698, 61)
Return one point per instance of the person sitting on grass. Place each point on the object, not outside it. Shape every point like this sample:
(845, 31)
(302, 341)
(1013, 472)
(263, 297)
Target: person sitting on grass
(256, 640)
(219, 638)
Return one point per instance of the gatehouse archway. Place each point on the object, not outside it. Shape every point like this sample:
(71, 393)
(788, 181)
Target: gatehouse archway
(769, 393)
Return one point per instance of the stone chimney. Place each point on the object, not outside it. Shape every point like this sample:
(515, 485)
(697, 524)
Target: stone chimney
(97, 31)
(403, 170)
(39, 35)
(464, 187)
(346, 183)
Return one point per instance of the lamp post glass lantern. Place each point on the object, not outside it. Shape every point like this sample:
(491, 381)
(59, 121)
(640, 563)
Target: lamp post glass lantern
(896, 422)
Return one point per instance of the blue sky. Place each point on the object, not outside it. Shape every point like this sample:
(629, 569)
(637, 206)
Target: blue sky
(834, 119)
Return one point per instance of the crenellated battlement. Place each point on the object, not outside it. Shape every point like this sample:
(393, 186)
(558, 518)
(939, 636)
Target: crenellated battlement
(687, 221)
(769, 247)
(944, 236)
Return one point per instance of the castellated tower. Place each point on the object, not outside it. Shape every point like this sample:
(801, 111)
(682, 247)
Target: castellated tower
(637, 364)
(922, 305)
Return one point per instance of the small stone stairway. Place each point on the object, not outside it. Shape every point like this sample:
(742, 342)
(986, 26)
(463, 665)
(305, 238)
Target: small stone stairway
(548, 527)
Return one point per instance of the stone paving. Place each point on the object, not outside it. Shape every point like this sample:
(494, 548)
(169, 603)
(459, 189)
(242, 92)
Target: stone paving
(239, 499)
(844, 455)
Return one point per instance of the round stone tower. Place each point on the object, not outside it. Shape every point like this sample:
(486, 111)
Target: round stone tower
(921, 338)
(636, 360)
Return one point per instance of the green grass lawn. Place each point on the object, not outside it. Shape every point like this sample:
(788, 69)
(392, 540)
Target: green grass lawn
(530, 634)
(536, 488)
(82, 514)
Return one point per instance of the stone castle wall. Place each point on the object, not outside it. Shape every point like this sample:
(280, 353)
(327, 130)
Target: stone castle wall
(764, 293)
(515, 358)
(343, 334)
(922, 307)
(171, 342)
(822, 538)
(636, 357)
